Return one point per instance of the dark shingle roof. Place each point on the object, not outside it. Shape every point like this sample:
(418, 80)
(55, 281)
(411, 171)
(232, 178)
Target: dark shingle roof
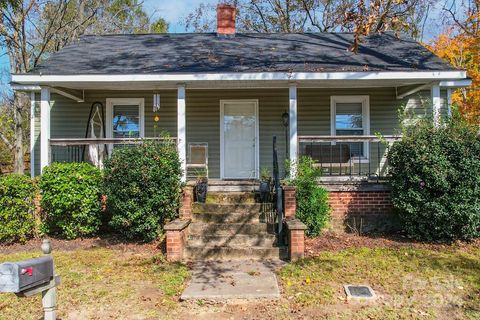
(252, 52)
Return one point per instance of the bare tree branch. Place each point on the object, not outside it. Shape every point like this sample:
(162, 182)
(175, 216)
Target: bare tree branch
(7, 142)
(260, 14)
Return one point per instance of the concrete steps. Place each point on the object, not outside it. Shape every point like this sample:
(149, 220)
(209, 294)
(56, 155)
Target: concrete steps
(234, 217)
(232, 197)
(223, 186)
(228, 229)
(232, 225)
(227, 208)
(231, 252)
(251, 240)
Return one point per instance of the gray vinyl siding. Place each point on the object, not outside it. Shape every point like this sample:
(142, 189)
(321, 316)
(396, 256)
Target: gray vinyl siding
(203, 121)
(69, 118)
(314, 110)
(420, 104)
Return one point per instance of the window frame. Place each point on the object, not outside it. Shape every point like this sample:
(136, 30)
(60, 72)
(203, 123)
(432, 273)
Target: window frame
(124, 101)
(365, 101)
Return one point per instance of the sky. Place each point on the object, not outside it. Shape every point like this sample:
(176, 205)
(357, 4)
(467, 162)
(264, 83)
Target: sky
(172, 11)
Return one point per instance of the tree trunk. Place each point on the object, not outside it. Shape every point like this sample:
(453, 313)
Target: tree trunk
(18, 154)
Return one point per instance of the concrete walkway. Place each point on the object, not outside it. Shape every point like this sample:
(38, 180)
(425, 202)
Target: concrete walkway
(219, 280)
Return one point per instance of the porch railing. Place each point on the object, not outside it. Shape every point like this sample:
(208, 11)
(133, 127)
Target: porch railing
(278, 192)
(349, 156)
(78, 149)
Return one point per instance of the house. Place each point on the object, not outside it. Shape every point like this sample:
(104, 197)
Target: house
(224, 96)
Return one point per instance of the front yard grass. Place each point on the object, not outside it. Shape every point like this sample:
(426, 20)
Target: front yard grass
(101, 283)
(128, 281)
(411, 283)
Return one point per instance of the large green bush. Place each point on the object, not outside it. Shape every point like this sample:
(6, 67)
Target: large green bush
(71, 199)
(17, 207)
(143, 185)
(435, 179)
(312, 200)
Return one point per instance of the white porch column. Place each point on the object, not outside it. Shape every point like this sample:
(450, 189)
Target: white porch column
(292, 112)
(449, 102)
(44, 128)
(32, 134)
(436, 104)
(181, 130)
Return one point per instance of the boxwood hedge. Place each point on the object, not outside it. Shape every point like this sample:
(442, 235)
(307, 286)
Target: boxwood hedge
(435, 179)
(17, 221)
(70, 199)
(143, 184)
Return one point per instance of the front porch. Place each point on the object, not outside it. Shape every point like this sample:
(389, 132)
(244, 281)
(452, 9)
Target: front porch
(227, 133)
(334, 155)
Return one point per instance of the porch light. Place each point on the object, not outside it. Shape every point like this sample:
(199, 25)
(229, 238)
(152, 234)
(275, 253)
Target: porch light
(156, 102)
(285, 118)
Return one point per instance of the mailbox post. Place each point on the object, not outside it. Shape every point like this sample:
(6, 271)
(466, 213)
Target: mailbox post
(33, 276)
(49, 296)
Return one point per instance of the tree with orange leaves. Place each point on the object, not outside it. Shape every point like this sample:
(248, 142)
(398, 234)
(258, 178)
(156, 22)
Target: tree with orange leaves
(461, 47)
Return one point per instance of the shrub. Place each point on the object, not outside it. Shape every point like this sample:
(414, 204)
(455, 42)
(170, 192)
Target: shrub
(71, 199)
(312, 200)
(143, 186)
(17, 207)
(435, 180)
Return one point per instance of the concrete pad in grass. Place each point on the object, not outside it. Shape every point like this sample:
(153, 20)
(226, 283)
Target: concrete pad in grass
(221, 280)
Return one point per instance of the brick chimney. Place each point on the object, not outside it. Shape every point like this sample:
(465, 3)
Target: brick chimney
(226, 19)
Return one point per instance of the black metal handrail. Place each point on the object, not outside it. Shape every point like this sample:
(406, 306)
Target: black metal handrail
(278, 192)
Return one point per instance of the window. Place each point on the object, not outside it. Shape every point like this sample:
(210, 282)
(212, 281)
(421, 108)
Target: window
(126, 121)
(125, 118)
(350, 117)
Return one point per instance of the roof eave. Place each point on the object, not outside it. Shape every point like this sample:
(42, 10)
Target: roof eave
(259, 76)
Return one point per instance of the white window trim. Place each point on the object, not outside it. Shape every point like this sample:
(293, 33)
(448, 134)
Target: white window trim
(222, 138)
(124, 101)
(365, 100)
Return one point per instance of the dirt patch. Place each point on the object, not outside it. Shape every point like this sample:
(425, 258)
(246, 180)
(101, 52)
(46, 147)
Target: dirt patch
(110, 242)
(331, 241)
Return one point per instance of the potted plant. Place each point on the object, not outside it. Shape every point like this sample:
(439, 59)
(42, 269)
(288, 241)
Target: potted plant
(201, 188)
(265, 184)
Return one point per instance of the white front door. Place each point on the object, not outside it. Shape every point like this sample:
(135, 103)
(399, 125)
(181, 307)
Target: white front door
(239, 139)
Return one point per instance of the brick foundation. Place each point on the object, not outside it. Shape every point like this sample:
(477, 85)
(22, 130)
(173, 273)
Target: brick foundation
(361, 211)
(176, 238)
(296, 239)
(185, 210)
(290, 202)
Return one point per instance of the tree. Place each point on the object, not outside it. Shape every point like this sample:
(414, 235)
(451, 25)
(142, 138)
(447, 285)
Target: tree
(362, 17)
(460, 46)
(6, 136)
(159, 26)
(30, 30)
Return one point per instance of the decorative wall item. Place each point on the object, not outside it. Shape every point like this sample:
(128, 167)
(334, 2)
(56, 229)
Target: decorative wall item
(156, 102)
